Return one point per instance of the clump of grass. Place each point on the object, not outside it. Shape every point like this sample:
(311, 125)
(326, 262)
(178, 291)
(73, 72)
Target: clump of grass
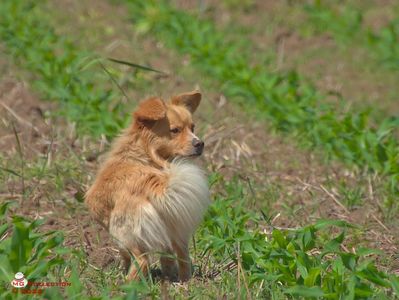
(352, 197)
(385, 44)
(343, 23)
(40, 256)
(23, 249)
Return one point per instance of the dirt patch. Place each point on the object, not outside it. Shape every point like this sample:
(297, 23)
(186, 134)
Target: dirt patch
(380, 15)
(334, 70)
(21, 110)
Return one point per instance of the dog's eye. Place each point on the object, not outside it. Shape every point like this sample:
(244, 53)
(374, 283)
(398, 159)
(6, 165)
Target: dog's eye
(192, 128)
(175, 130)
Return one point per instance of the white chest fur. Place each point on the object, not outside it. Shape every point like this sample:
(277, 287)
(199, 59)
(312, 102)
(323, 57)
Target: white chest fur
(186, 199)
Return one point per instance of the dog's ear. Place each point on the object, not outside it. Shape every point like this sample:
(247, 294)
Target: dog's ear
(149, 111)
(190, 100)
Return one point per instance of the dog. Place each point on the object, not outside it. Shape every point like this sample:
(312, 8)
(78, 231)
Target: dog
(148, 193)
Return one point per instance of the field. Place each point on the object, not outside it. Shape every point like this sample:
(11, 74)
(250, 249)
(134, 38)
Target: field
(300, 121)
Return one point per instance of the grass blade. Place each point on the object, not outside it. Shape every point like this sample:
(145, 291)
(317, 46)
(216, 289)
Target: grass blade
(10, 171)
(137, 66)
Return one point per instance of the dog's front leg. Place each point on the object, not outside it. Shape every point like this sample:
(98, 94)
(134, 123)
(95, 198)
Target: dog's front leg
(168, 266)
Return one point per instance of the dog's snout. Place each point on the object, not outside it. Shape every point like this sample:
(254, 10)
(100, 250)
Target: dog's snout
(198, 143)
(198, 146)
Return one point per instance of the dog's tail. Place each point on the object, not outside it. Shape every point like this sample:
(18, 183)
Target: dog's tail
(185, 200)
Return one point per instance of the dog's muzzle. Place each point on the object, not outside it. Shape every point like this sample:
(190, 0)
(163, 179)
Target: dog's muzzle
(198, 147)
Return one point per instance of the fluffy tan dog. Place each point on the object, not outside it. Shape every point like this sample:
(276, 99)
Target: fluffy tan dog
(148, 193)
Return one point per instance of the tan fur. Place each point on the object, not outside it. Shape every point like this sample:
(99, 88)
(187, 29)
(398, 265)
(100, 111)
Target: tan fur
(148, 193)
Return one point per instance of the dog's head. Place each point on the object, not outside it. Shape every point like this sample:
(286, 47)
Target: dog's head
(171, 124)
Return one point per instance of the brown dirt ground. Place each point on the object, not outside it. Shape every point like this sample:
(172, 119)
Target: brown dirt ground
(236, 145)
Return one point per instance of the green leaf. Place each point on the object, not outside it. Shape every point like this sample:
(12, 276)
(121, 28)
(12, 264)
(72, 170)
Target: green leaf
(366, 251)
(350, 295)
(312, 277)
(302, 270)
(304, 291)
(349, 260)
(308, 238)
(4, 208)
(395, 284)
(75, 290)
(10, 171)
(334, 244)
(3, 228)
(321, 224)
(279, 238)
(21, 245)
(374, 276)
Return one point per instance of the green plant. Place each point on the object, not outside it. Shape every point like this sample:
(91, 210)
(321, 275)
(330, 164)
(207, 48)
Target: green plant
(351, 197)
(343, 22)
(308, 262)
(385, 44)
(24, 249)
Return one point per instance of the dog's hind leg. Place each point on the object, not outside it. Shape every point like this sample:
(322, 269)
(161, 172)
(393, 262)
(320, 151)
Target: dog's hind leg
(125, 255)
(183, 260)
(133, 252)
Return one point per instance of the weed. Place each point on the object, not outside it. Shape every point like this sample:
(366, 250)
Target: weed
(351, 197)
(23, 249)
(343, 23)
(385, 44)
(307, 262)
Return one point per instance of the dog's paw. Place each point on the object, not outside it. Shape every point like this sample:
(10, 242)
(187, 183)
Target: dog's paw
(170, 274)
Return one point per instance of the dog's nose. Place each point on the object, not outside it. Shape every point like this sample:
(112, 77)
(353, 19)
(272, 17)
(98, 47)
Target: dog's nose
(198, 143)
